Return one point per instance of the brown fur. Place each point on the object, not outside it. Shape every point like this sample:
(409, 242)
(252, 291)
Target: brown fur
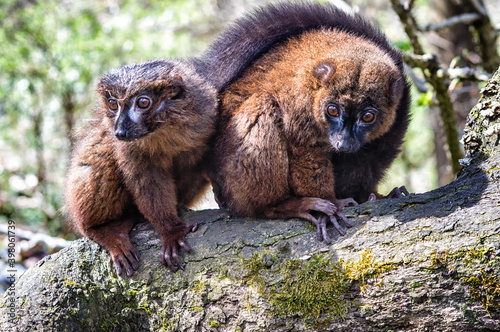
(273, 151)
(111, 182)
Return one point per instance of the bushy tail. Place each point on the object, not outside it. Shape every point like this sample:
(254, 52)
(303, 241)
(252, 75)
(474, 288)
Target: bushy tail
(255, 33)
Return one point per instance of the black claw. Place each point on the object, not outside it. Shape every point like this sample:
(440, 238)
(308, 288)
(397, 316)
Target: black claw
(135, 265)
(166, 258)
(170, 253)
(322, 227)
(346, 221)
(337, 226)
(326, 238)
(398, 192)
(404, 190)
(319, 234)
(184, 246)
(176, 260)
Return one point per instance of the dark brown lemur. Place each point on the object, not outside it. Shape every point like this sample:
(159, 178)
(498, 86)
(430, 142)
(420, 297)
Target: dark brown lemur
(320, 115)
(142, 155)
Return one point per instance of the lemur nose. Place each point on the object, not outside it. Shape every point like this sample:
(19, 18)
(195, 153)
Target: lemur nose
(121, 133)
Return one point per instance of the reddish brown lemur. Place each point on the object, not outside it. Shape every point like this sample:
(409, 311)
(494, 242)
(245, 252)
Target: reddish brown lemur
(311, 117)
(142, 155)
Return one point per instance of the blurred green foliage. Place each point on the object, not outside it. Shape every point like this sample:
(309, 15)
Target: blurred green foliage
(51, 56)
(415, 167)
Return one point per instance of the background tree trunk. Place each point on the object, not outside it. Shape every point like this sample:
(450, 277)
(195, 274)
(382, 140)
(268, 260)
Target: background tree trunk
(452, 46)
(426, 262)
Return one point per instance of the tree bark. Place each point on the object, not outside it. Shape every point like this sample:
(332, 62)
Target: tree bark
(425, 262)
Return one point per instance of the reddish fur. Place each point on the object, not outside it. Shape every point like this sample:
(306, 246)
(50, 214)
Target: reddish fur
(109, 180)
(273, 156)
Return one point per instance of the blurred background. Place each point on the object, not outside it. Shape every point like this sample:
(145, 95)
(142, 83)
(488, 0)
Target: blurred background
(53, 52)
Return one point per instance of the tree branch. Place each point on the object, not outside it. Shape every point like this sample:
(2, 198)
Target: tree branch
(428, 60)
(466, 74)
(464, 18)
(424, 261)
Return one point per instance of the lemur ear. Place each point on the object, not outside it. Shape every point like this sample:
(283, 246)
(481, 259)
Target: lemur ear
(178, 79)
(324, 71)
(178, 86)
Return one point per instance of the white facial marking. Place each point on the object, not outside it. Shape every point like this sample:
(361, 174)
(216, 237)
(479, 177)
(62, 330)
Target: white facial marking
(134, 115)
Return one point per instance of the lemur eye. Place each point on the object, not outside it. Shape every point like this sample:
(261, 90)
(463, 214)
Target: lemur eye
(143, 102)
(368, 117)
(333, 110)
(112, 104)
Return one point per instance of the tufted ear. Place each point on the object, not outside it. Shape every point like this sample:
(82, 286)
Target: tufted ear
(178, 79)
(324, 71)
(103, 87)
(171, 86)
(177, 86)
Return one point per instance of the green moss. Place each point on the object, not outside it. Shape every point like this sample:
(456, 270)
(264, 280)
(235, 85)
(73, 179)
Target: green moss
(255, 267)
(214, 324)
(313, 289)
(196, 308)
(146, 308)
(130, 292)
(199, 286)
(169, 324)
(166, 322)
(310, 226)
(415, 284)
(438, 260)
(70, 283)
(492, 170)
(366, 268)
(484, 286)
(223, 273)
(481, 254)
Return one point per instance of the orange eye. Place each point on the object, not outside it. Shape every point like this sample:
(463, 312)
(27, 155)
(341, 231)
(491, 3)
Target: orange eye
(112, 104)
(333, 110)
(368, 117)
(143, 102)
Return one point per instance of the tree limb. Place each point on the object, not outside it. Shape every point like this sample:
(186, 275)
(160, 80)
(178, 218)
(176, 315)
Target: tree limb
(425, 262)
(464, 18)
